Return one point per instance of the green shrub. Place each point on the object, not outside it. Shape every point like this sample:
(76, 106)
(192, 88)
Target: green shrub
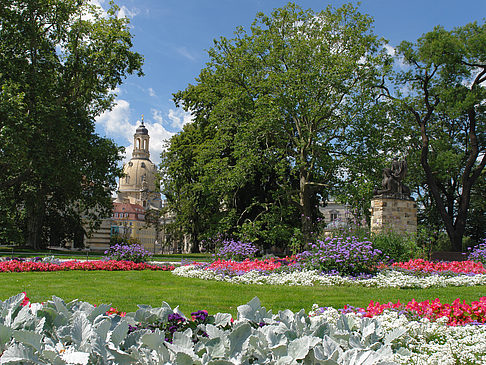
(396, 246)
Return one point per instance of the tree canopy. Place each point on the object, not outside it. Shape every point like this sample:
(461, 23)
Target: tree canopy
(274, 113)
(439, 97)
(59, 62)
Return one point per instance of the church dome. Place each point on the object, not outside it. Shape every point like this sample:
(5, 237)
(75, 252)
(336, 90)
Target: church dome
(139, 174)
(137, 186)
(142, 130)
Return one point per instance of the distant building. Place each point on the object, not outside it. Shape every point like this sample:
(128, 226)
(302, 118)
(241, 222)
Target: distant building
(129, 221)
(138, 184)
(336, 215)
(136, 195)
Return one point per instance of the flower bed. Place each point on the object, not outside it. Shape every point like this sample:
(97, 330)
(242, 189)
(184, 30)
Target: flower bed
(235, 267)
(462, 267)
(297, 276)
(458, 313)
(419, 340)
(112, 265)
(295, 271)
(80, 333)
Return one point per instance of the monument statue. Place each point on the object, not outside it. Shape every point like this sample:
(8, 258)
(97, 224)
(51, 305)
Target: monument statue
(392, 183)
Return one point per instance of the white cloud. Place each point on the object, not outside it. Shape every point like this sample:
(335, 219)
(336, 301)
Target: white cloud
(151, 92)
(183, 51)
(127, 13)
(116, 124)
(390, 49)
(98, 4)
(157, 115)
(179, 118)
(158, 136)
(117, 121)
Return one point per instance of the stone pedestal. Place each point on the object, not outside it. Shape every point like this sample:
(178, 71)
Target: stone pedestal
(391, 214)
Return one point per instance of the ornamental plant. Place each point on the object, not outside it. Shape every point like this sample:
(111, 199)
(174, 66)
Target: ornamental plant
(458, 267)
(135, 253)
(81, 333)
(230, 267)
(112, 265)
(345, 255)
(236, 250)
(458, 313)
(176, 322)
(478, 253)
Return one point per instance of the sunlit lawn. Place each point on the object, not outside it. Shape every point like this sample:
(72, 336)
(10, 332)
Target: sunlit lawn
(126, 289)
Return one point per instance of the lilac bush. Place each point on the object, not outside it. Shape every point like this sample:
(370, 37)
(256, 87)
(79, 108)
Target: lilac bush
(236, 250)
(346, 255)
(124, 252)
(478, 253)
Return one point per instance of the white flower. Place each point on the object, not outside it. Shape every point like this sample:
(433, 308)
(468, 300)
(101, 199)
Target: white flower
(387, 279)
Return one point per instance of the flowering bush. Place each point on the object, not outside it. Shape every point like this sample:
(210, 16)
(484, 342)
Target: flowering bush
(134, 253)
(281, 276)
(255, 336)
(176, 322)
(421, 341)
(478, 253)
(420, 265)
(346, 255)
(236, 250)
(112, 265)
(235, 267)
(458, 313)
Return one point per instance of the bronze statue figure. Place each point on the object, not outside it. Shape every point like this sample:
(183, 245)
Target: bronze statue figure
(392, 183)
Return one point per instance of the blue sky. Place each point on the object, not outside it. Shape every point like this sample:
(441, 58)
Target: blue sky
(174, 36)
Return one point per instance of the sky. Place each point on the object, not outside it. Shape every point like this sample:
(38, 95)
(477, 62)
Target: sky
(174, 36)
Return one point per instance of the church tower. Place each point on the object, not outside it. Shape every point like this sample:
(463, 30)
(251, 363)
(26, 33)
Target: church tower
(141, 143)
(138, 184)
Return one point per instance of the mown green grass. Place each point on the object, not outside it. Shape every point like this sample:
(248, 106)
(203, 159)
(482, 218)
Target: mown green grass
(126, 289)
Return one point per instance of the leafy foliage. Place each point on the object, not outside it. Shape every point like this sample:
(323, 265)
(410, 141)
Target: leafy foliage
(344, 255)
(77, 332)
(272, 113)
(236, 250)
(438, 96)
(396, 246)
(136, 253)
(59, 63)
(478, 253)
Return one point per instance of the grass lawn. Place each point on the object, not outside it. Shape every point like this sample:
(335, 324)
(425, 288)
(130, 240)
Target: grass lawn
(126, 289)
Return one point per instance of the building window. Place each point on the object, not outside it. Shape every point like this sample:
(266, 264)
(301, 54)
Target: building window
(334, 216)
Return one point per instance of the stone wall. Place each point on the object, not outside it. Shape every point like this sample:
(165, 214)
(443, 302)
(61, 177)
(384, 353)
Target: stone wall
(397, 215)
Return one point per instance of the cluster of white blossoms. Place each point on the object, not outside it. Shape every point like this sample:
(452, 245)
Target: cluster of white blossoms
(384, 279)
(429, 343)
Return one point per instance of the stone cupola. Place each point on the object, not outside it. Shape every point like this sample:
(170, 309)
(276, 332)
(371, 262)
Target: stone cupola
(141, 143)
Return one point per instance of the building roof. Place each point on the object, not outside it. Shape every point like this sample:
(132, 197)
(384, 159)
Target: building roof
(127, 208)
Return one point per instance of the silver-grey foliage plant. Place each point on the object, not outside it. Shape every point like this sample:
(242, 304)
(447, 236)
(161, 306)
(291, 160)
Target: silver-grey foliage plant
(80, 333)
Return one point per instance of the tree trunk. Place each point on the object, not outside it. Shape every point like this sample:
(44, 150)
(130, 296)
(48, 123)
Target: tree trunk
(455, 228)
(195, 238)
(306, 209)
(34, 219)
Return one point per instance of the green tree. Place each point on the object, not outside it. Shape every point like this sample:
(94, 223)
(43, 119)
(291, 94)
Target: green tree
(440, 98)
(188, 197)
(59, 60)
(281, 100)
